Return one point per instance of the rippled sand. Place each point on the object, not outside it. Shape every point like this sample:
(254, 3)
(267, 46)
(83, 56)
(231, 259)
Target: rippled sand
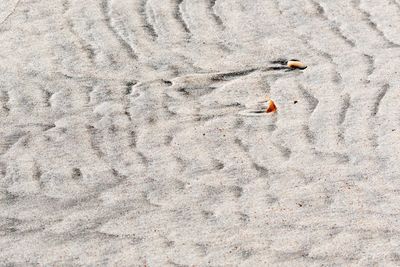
(127, 136)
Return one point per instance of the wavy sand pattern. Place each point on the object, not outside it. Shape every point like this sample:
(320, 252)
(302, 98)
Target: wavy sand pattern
(125, 141)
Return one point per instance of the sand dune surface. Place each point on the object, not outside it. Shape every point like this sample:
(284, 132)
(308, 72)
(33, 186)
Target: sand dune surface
(132, 133)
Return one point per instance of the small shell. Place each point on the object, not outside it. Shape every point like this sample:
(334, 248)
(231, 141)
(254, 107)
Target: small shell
(271, 107)
(295, 64)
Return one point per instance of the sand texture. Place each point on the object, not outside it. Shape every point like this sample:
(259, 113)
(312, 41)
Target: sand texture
(127, 135)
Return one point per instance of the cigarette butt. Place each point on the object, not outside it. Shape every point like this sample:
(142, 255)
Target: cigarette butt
(296, 64)
(271, 107)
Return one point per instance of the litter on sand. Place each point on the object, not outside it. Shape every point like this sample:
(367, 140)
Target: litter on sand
(267, 106)
(296, 64)
(271, 106)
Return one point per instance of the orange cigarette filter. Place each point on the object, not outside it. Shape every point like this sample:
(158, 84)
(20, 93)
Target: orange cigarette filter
(271, 107)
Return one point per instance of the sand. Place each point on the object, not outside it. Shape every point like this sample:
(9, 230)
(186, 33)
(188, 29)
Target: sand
(127, 137)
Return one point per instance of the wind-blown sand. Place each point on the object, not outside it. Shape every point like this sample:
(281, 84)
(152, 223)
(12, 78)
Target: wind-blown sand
(126, 137)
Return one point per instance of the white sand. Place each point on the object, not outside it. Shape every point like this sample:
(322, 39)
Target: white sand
(123, 144)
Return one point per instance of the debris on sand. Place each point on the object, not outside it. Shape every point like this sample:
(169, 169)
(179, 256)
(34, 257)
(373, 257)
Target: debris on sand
(267, 106)
(296, 64)
(271, 106)
(291, 64)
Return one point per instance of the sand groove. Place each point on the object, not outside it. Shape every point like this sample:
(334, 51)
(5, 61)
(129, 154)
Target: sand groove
(217, 18)
(179, 15)
(108, 18)
(379, 98)
(371, 23)
(147, 25)
(335, 29)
